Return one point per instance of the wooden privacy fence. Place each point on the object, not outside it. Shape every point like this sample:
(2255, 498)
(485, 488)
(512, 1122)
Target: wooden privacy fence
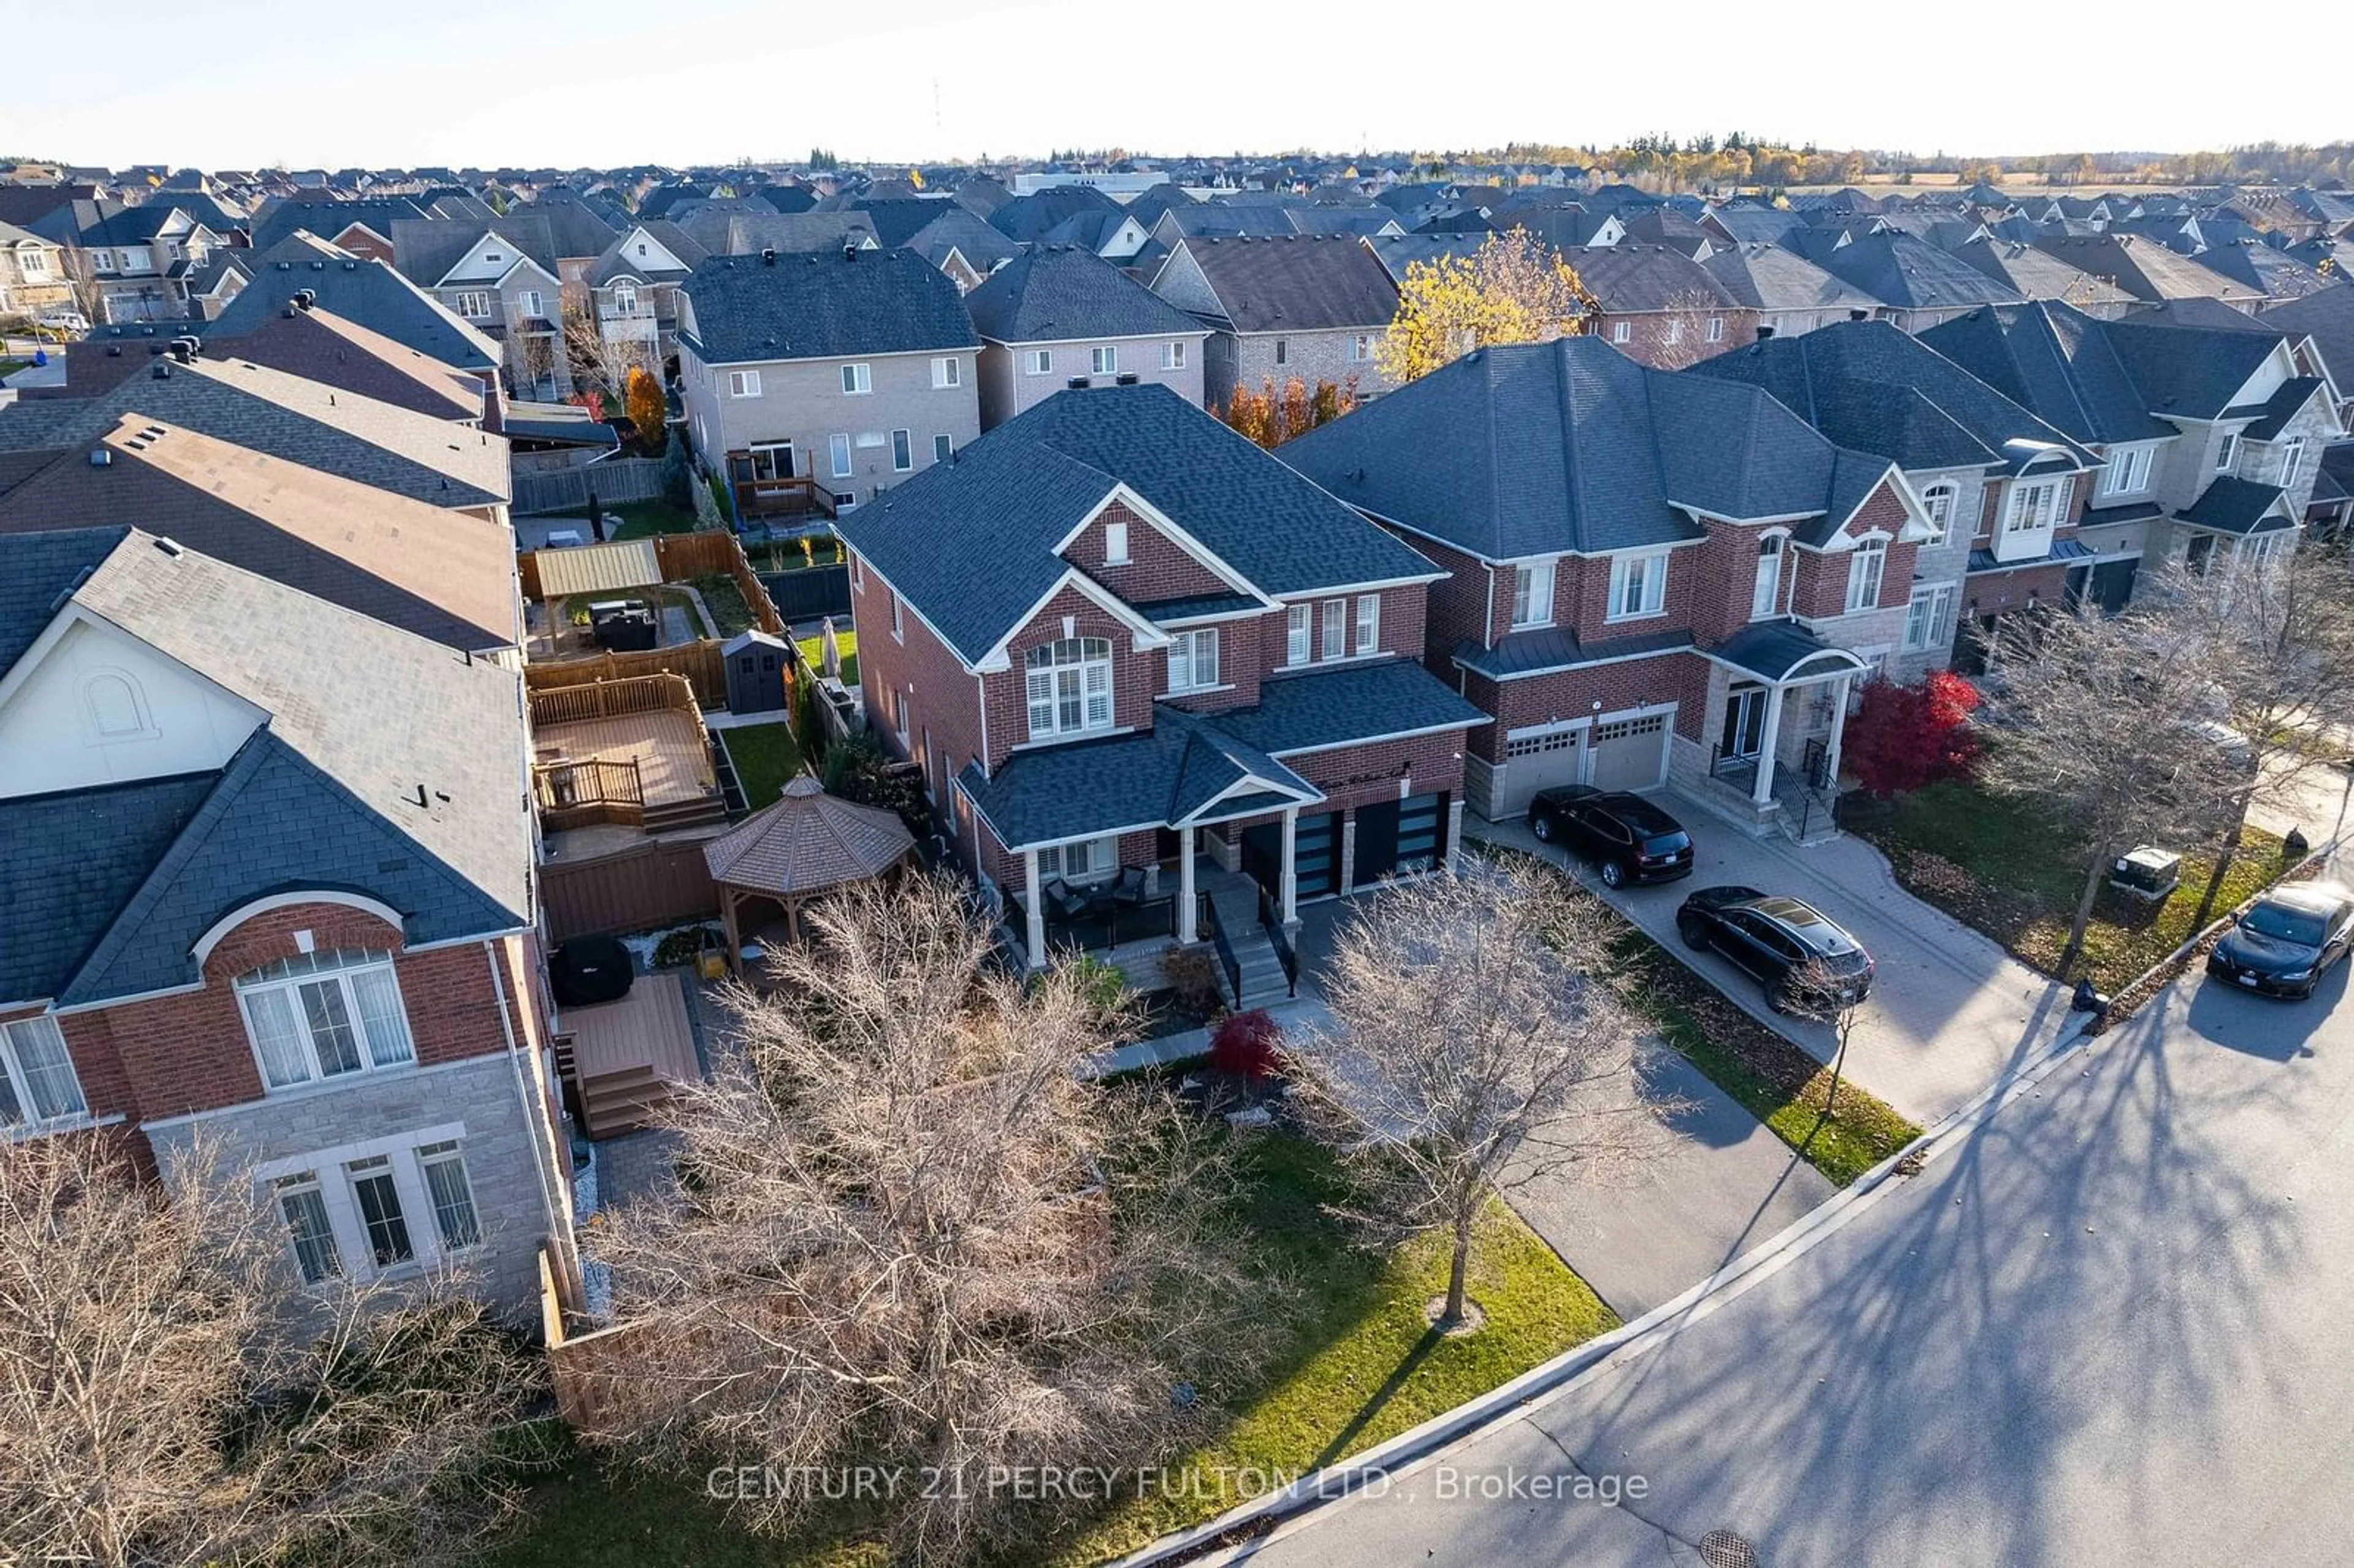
(703, 554)
(651, 884)
(611, 699)
(698, 663)
(566, 490)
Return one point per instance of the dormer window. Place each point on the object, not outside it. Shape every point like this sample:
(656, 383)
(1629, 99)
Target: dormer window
(2036, 504)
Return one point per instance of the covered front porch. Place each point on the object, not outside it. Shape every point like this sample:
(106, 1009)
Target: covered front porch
(1776, 716)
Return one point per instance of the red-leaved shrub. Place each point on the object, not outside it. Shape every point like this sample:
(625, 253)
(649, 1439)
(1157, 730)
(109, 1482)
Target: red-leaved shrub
(1246, 1044)
(1902, 737)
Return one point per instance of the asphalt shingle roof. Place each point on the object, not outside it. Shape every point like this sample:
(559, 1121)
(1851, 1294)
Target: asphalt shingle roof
(1536, 449)
(824, 306)
(2235, 505)
(1056, 293)
(2056, 361)
(2190, 371)
(1768, 278)
(1903, 270)
(42, 570)
(1319, 709)
(1297, 282)
(366, 292)
(1011, 497)
(1556, 648)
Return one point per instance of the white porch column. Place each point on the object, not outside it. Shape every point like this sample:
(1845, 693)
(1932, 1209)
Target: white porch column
(1033, 911)
(1187, 902)
(1839, 732)
(1772, 736)
(1290, 871)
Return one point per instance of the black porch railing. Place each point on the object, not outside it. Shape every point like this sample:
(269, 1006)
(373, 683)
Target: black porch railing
(1271, 918)
(1207, 924)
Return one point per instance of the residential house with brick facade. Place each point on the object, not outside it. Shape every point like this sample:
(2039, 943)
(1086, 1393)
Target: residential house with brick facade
(850, 371)
(1657, 305)
(266, 884)
(1650, 576)
(2212, 436)
(2002, 491)
(1118, 637)
(499, 278)
(1314, 306)
(1059, 315)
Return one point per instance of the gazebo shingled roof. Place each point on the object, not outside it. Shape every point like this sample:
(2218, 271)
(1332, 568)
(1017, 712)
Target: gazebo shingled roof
(806, 843)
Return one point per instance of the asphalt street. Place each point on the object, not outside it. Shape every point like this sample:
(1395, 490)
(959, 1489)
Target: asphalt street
(2109, 1324)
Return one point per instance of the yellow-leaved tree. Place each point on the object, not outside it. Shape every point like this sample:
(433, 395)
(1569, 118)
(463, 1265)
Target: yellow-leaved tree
(1513, 288)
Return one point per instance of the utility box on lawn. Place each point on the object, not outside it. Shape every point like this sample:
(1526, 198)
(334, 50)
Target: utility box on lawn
(2147, 872)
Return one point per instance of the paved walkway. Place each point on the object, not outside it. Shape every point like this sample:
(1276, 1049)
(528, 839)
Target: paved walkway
(1949, 1012)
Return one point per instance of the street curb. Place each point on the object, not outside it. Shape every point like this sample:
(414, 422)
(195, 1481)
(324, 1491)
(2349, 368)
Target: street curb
(2155, 977)
(1629, 1340)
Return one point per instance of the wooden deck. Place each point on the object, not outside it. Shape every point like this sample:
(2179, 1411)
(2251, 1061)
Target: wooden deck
(674, 760)
(626, 1055)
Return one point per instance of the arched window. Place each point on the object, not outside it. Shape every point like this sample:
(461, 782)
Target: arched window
(322, 1014)
(1864, 573)
(1068, 684)
(1937, 504)
(1766, 597)
(113, 706)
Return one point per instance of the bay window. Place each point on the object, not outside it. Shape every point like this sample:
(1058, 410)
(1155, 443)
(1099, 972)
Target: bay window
(37, 1075)
(1067, 685)
(1533, 595)
(2036, 504)
(1865, 566)
(325, 1015)
(1638, 586)
(1193, 661)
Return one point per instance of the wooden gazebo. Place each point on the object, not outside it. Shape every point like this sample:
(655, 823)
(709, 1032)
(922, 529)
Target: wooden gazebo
(807, 843)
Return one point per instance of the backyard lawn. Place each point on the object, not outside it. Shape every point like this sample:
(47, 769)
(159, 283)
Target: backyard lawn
(845, 639)
(765, 757)
(635, 520)
(2004, 866)
(1357, 1365)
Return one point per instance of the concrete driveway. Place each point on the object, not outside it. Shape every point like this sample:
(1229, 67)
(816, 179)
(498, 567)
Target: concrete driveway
(1949, 1011)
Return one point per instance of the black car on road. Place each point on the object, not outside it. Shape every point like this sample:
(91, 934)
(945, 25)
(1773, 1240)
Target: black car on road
(1776, 939)
(2285, 941)
(1629, 839)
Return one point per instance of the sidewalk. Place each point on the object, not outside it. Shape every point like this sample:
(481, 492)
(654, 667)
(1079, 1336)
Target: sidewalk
(1949, 1012)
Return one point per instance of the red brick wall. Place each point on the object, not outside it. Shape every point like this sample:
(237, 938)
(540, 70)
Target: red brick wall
(1725, 579)
(1822, 581)
(1680, 678)
(1360, 775)
(946, 700)
(1457, 608)
(176, 1054)
(1648, 336)
(1994, 593)
(1158, 568)
(361, 243)
(1135, 677)
(1581, 597)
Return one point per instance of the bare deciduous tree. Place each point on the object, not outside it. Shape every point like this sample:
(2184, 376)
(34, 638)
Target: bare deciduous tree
(1475, 1046)
(170, 1394)
(597, 360)
(1819, 992)
(2282, 631)
(913, 1238)
(1679, 337)
(2107, 723)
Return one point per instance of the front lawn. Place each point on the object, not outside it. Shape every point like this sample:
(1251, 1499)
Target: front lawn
(2004, 865)
(1356, 1364)
(765, 757)
(844, 638)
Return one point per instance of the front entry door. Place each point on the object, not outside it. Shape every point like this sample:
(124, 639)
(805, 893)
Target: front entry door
(1744, 723)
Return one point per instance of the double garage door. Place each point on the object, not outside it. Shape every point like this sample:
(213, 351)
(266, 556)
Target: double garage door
(1624, 754)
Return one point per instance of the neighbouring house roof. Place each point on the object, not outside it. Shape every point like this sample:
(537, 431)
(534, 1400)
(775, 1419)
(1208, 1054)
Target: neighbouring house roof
(324, 794)
(1030, 217)
(1297, 282)
(366, 292)
(1056, 293)
(723, 232)
(1538, 448)
(564, 424)
(1870, 387)
(808, 841)
(286, 417)
(425, 248)
(2056, 361)
(1903, 270)
(574, 228)
(441, 574)
(1645, 279)
(2038, 274)
(2287, 402)
(958, 229)
(2189, 371)
(619, 258)
(2327, 318)
(1768, 278)
(1556, 648)
(1012, 497)
(2145, 269)
(1758, 225)
(320, 345)
(823, 306)
(2276, 274)
(2231, 504)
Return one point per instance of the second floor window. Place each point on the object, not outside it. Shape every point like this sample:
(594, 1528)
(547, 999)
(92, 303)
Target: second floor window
(1039, 362)
(1865, 569)
(2228, 453)
(1067, 685)
(742, 384)
(948, 372)
(33, 263)
(1620, 332)
(1104, 361)
(2128, 472)
(1369, 624)
(37, 1075)
(1361, 348)
(1937, 505)
(1336, 628)
(324, 1015)
(530, 304)
(1765, 598)
(857, 380)
(1172, 356)
(2292, 460)
(1717, 329)
(625, 300)
(474, 305)
(1638, 586)
(1296, 633)
(1193, 661)
(1533, 595)
(2034, 505)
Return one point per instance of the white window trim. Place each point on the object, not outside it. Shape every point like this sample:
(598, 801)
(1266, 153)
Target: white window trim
(858, 380)
(289, 986)
(1621, 332)
(1115, 543)
(19, 1081)
(1781, 559)
(1298, 634)
(742, 384)
(1368, 639)
(1103, 861)
(1173, 354)
(1104, 360)
(1185, 658)
(1938, 504)
(2048, 513)
(840, 457)
(1868, 563)
(1655, 586)
(1332, 630)
(898, 618)
(1038, 362)
(2127, 463)
(902, 440)
(1540, 575)
(948, 373)
(1052, 703)
(2229, 453)
(328, 1172)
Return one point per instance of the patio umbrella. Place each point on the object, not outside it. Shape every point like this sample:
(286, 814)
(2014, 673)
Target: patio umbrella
(830, 651)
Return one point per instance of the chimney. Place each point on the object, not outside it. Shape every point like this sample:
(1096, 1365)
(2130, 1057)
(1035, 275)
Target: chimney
(849, 250)
(768, 256)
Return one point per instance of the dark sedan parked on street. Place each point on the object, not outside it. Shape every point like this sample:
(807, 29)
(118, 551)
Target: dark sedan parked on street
(1776, 939)
(2285, 941)
(1628, 839)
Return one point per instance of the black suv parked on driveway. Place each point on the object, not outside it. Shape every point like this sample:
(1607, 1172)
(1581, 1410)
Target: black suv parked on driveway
(1629, 839)
(1776, 939)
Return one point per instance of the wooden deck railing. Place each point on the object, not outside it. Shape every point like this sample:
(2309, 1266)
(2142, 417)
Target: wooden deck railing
(612, 699)
(783, 498)
(582, 794)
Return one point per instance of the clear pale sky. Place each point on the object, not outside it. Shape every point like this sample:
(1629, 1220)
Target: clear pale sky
(604, 82)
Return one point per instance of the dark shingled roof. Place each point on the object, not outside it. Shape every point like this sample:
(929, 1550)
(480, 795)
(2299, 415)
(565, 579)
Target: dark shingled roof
(1296, 282)
(1011, 497)
(1319, 709)
(1056, 293)
(42, 570)
(823, 306)
(1775, 648)
(2327, 318)
(2055, 360)
(366, 292)
(2190, 371)
(1905, 271)
(2233, 505)
(1768, 278)
(1536, 449)
(2284, 404)
(1641, 279)
(1557, 648)
(72, 861)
